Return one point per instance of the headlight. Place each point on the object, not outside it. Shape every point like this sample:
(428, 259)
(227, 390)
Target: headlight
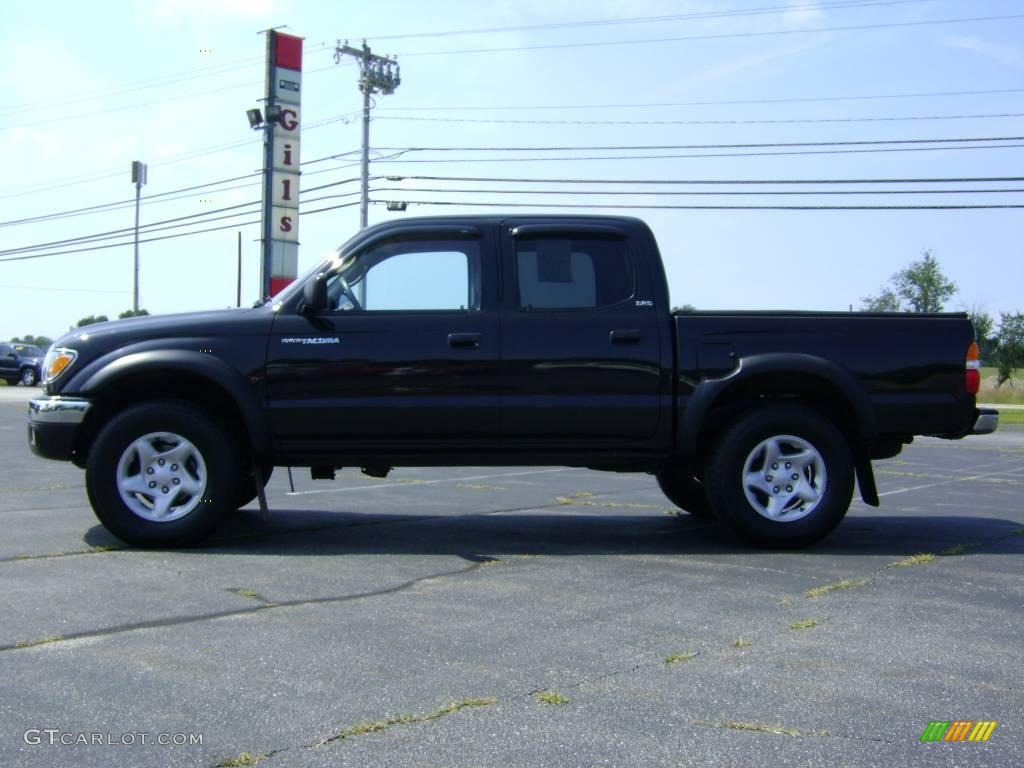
(57, 360)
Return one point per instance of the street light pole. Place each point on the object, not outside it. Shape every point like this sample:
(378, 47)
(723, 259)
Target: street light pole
(377, 74)
(139, 172)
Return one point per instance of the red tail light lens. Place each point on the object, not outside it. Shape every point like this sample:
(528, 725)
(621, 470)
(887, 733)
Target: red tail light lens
(972, 376)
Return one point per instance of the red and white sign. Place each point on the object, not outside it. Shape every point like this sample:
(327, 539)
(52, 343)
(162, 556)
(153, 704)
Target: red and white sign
(281, 190)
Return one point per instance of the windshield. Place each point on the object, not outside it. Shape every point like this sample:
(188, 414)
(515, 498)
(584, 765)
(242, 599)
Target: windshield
(327, 265)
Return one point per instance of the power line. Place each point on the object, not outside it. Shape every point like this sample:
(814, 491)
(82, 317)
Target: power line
(158, 226)
(800, 121)
(99, 175)
(931, 180)
(651, 19)
(116, 205)
(673, 192)
(639, 147)
(695, 156)
(723, 36)
(720, 102)
(712, 207)
(163, 237)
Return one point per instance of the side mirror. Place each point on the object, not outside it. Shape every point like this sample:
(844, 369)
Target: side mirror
(314, 295)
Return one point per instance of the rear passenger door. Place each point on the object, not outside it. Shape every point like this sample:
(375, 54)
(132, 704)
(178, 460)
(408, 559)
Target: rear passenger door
(580, 346)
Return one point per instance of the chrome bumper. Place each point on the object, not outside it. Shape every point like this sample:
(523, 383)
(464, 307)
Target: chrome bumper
(58, 410)
(986, 422)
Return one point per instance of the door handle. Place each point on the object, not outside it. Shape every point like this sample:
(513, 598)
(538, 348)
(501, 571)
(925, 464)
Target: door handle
(464, 340)
(631, 336)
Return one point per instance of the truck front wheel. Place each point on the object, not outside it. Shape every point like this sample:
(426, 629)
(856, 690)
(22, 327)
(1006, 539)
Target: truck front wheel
(781, 476)
(162, 474)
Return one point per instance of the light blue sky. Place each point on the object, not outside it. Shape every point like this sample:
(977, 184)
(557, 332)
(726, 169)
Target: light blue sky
(88, 91)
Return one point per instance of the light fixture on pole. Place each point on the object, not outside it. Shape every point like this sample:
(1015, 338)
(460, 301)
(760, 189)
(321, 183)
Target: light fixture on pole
(139, 173)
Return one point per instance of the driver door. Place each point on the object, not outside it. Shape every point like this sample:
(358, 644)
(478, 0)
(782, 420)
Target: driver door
(405, 357)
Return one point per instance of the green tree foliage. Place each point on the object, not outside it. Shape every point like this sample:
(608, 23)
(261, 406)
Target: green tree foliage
(39, 341)
(920, 287)
(92, 319)
(984, 327)
(132, 313)
(1009, 354)
(885, 301)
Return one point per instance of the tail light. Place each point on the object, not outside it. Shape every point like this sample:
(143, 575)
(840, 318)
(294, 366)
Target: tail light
(972, 374)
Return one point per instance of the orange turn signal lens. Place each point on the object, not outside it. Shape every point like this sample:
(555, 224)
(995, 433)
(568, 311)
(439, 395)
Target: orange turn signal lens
(57, 361)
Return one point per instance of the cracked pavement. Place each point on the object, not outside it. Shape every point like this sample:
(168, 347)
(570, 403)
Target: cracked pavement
(373, 608)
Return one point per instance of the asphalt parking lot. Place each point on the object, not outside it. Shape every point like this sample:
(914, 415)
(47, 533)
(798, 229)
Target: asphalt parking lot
(515, 617)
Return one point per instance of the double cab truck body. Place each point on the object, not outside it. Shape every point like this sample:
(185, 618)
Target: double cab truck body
(500, 340)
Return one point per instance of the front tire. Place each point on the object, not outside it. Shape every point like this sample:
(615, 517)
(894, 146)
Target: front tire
(29, 377)
(162, 474)
(781, 476)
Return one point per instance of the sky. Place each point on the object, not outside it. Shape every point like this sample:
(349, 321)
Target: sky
(604, 90)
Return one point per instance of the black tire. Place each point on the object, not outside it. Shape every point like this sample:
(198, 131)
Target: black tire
(29, 377)
(686, 492)
(806, 500)
(246, 489)
(206, 475)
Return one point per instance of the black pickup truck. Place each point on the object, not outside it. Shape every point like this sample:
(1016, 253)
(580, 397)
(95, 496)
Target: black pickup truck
(500, 340)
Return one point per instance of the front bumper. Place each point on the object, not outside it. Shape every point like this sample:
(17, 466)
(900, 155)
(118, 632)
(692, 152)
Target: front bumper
(52, 424)
(986, 422)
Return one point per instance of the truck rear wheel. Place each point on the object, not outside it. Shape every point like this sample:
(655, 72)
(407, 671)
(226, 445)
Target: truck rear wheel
(162, 474)
(685, 491)
(781, 476)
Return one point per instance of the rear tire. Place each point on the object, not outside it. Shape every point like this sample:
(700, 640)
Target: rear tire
(29, 377)
(162, 474)
(781, 476)
(685, 491)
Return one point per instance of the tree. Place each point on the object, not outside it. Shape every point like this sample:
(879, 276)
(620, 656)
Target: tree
(37, 341)
(885, 301)
(132, 313)
(92, 319)
(921, 287)
(1009, 353)
(984, 327)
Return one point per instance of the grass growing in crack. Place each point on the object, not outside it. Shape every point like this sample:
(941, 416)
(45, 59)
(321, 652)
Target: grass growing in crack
(250, 593)
(679, 658)
(739, 642)
(825, 589)
(246, 758)
(377, 726)
(804, 624)
(554, 698)
(960, 549)
(762, 728)
(919, 559)
(38, 641)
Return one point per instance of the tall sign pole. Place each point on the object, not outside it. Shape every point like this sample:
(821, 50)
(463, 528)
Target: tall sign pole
(377, 74)
(281, 162)
(139, 173)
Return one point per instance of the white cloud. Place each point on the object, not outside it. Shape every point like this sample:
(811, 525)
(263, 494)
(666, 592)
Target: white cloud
(1008, 55)
(802, 14)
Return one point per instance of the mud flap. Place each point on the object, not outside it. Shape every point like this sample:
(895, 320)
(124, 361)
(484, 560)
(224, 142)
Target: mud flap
(866, 482)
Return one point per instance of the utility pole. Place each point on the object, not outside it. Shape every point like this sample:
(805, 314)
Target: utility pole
(377, 74)
(139, 172)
